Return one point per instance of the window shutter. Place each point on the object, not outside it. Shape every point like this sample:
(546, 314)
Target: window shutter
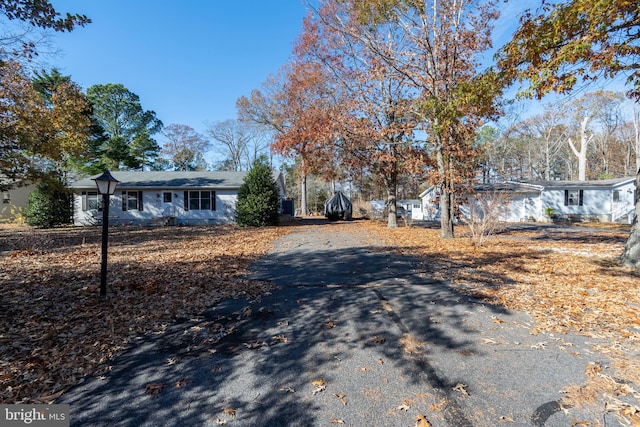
(213, 200)
(566, 197)
(581, 197)
(186, 200)
(124, 201)
(84, 200)
(139, 200)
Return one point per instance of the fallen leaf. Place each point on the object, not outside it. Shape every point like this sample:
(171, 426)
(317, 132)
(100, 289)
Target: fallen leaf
(231, 411)
(280, 338)
(182, 383)
(337, 421)
(246, 312)
(288, 390)
(539, 346)
(330, 324)
(221, 422)
(504, 419)
(377, 340)
(341, 397)
(318, 382)
(380, 362)
(421, 421)
(256, 344)
(154, 388)
(461, 388)
(403, 407)
(435, 407)
(410, 344)
(319, 389)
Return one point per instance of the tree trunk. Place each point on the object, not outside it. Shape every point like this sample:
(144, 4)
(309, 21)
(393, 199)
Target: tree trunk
(636, 128)
(392, 221)
(582, 153)
(631, 255)
(303, 194)
(446, 219)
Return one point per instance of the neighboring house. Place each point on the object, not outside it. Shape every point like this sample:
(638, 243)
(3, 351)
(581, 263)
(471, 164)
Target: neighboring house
(15, 201)
(164, 198)
(608, 200)
(413, 207)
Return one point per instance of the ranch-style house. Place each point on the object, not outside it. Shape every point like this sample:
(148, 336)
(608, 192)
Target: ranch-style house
(609, 200)
(163, 198)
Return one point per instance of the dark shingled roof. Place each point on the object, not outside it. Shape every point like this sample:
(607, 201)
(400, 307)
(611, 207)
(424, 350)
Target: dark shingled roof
(583, 184)
(173, 180)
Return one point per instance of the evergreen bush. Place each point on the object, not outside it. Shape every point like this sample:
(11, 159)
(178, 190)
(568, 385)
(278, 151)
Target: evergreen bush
(258, 198)
(49, 204)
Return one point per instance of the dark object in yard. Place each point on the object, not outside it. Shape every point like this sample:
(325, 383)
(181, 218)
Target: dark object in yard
(338, 207)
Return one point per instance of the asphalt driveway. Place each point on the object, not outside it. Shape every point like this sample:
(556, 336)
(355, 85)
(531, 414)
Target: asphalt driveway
(354, 335)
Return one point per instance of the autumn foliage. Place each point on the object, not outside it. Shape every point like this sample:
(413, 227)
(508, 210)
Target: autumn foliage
(32, 127)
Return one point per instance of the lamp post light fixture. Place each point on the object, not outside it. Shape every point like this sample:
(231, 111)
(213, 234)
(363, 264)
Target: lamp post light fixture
(106, 184)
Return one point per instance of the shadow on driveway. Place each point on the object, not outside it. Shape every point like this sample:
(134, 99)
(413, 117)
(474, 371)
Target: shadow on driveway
(353, 334)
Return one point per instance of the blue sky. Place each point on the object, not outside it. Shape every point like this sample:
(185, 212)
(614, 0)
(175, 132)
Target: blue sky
(188, 60)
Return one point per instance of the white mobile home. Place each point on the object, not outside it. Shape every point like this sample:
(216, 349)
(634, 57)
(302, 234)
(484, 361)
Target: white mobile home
(604, 200)
(164, 198)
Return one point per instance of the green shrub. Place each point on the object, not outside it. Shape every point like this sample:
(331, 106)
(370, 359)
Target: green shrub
(49, 204)
(258, 198)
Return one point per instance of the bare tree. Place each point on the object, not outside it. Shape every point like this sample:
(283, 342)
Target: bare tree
(184, 148)
(483, 212)
(240, 142)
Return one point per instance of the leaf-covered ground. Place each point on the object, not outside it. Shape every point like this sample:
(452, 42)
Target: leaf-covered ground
(566, 278)
(54, 328)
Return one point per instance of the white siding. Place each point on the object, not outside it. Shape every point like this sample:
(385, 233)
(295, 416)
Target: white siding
(154, 209)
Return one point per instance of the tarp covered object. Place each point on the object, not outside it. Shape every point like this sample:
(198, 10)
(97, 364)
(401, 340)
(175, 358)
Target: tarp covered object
(338, 207)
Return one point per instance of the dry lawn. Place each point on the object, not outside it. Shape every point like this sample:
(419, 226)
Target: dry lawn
(54, 329)
(568, 281)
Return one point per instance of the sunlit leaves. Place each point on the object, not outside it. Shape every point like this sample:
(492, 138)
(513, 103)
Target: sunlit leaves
(52, 128)
(41, 14)
(557, 46)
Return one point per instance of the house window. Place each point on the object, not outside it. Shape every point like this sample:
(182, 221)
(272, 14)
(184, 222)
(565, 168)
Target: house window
(200, 200)
(132, 200)
(6, 198)
(616, 196)
(416, 206)
(91, 201)
(573, 197)
(166, 197)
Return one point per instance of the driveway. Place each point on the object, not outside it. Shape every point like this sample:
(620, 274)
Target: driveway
(353, 335)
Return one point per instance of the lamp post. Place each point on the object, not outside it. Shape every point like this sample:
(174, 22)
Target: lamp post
(106, 184)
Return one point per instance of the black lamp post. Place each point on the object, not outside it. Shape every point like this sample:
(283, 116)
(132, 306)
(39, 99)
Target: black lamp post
(106, 184)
